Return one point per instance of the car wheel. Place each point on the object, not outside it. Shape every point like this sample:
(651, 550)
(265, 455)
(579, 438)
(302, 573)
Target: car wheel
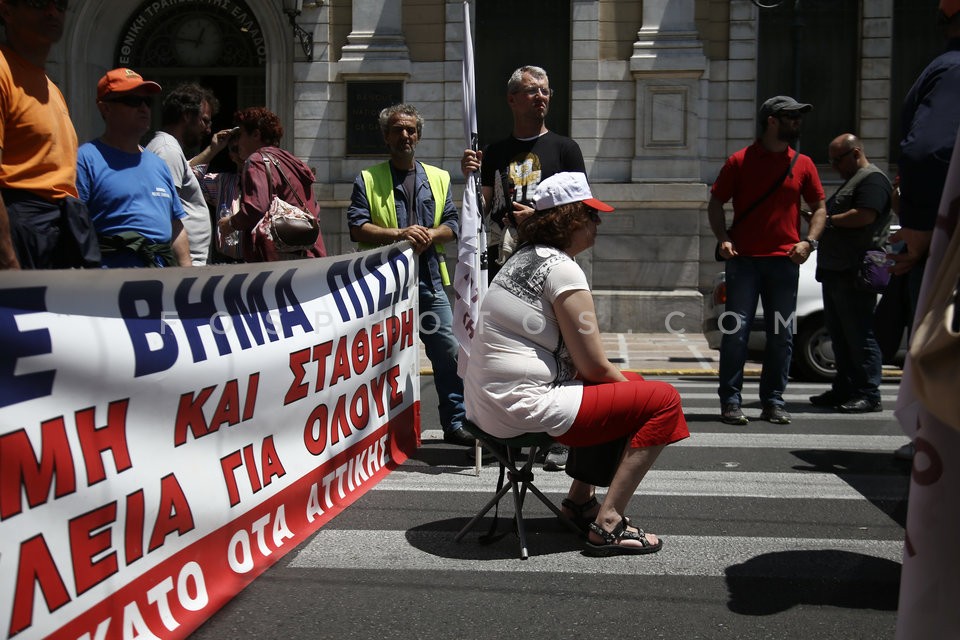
(813, 358)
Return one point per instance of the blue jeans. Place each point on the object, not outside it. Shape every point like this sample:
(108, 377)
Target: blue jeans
(436, 332)
(848, 313)
(773, 281)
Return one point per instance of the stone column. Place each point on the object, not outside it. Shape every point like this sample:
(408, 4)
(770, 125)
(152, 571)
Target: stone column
(667, 66)
(376, 45)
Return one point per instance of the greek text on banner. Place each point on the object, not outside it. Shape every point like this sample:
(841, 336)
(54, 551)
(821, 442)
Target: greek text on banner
(166, 435)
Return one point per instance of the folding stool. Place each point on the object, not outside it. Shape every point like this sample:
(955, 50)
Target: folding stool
(519, 479)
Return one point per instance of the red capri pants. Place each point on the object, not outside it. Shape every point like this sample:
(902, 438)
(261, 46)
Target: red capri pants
(648, 411)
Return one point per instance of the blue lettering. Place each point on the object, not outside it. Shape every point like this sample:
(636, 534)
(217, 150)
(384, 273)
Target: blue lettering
(194, 315)
(140, 328)
(350, 278)
(291, 313)
(15, 344)
(248, 310)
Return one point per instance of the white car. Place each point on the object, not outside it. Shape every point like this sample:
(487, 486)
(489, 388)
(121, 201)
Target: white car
(813, 358)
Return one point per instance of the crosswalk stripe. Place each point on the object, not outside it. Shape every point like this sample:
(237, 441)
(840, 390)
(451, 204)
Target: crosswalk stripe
(798, 398)
(833, 442)
(681, 555)
(732, 484)
(753, 414)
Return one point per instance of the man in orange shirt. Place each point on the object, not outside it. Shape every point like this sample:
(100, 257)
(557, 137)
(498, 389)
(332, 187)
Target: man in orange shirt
(42, 224)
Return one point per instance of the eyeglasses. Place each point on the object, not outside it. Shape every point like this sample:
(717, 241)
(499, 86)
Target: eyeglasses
(533, 92)
(594, 215)
(134, 102)
(836, 161)
(59, 5)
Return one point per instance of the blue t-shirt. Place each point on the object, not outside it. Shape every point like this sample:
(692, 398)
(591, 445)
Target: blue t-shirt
(127, 191)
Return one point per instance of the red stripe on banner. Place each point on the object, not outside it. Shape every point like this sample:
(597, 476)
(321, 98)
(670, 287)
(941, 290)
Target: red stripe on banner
(174, 598)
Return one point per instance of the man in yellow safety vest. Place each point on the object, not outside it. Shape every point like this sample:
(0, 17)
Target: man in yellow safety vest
(405, 200)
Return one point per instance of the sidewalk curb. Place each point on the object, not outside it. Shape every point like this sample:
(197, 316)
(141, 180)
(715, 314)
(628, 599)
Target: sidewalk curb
(748, 373)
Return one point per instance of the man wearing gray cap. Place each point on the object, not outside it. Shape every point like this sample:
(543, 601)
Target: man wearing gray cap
(763, 249)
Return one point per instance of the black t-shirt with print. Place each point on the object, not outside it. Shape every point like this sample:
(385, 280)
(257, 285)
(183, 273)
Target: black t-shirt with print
(525, 163)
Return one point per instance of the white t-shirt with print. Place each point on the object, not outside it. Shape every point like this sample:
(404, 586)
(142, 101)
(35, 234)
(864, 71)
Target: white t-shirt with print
(520, 375)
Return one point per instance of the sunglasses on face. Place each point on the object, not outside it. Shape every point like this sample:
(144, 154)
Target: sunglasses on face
(594, 215)
(60, 5)
(133, 102)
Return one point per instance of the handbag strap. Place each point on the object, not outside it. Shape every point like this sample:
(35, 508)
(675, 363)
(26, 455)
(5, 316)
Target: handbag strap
(267, 161)
(774, 187)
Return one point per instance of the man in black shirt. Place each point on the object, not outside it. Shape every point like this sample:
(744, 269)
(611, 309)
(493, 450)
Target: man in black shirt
(512, 168)
(858, 220)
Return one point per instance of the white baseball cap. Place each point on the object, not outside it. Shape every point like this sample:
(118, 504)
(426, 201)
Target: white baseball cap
(564, 188)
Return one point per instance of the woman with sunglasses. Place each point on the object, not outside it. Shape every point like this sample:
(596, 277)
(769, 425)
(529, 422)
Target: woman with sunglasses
(537, 365)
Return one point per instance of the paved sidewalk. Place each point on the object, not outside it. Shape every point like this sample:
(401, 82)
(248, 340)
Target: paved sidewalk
(655, 354)
(666, 354)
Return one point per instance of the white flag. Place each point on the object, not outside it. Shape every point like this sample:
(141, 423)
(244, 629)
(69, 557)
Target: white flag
(470, 283)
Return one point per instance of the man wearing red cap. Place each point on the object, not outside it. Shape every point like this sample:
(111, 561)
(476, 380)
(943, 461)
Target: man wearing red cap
(42, 224)
(129, 191)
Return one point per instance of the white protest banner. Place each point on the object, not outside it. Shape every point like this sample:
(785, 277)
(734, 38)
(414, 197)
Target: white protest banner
(168, 434)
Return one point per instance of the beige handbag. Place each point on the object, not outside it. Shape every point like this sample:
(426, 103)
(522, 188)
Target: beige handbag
(935, 345)
(291, 229)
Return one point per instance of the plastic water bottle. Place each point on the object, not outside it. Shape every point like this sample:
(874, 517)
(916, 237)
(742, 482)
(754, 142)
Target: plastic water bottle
(232, 239)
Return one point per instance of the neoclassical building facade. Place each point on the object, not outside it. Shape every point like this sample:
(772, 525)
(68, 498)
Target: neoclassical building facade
(656, 92)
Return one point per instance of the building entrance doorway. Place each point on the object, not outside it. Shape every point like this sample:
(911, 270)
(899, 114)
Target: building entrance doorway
(219, 45)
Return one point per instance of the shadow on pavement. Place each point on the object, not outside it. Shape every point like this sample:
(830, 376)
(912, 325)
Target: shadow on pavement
(545, 536)
(865, 471)
(775, 582)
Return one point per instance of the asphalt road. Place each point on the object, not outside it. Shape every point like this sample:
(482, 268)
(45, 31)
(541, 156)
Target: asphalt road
(769, 532)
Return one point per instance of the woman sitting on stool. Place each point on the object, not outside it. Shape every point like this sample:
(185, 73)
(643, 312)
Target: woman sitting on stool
(537, 364)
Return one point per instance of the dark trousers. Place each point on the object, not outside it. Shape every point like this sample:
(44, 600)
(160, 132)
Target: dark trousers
(848, 313)
(773, 281)
(50, 235)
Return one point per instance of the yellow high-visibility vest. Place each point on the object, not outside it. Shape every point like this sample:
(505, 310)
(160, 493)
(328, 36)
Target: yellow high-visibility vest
(378, 181)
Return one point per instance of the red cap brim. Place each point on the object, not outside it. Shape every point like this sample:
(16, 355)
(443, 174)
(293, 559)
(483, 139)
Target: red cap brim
(596, 204)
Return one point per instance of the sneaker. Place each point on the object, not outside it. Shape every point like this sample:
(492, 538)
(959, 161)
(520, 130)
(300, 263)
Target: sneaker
(775, 413)
(556, 459)
(860, 405)
(732, 414)
(828, 398)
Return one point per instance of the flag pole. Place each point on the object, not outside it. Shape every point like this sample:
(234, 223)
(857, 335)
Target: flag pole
(470, 283)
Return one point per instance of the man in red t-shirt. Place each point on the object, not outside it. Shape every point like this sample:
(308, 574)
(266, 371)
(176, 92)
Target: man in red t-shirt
(764, 250)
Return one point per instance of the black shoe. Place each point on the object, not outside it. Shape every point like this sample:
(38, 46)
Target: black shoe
(860, 405)
(458, 436)
(828, 398)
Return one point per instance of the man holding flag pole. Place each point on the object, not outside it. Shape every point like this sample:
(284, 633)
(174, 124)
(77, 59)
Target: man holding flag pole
(511, 170)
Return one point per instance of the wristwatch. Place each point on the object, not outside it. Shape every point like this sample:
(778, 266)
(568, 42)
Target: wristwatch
(813, 243)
